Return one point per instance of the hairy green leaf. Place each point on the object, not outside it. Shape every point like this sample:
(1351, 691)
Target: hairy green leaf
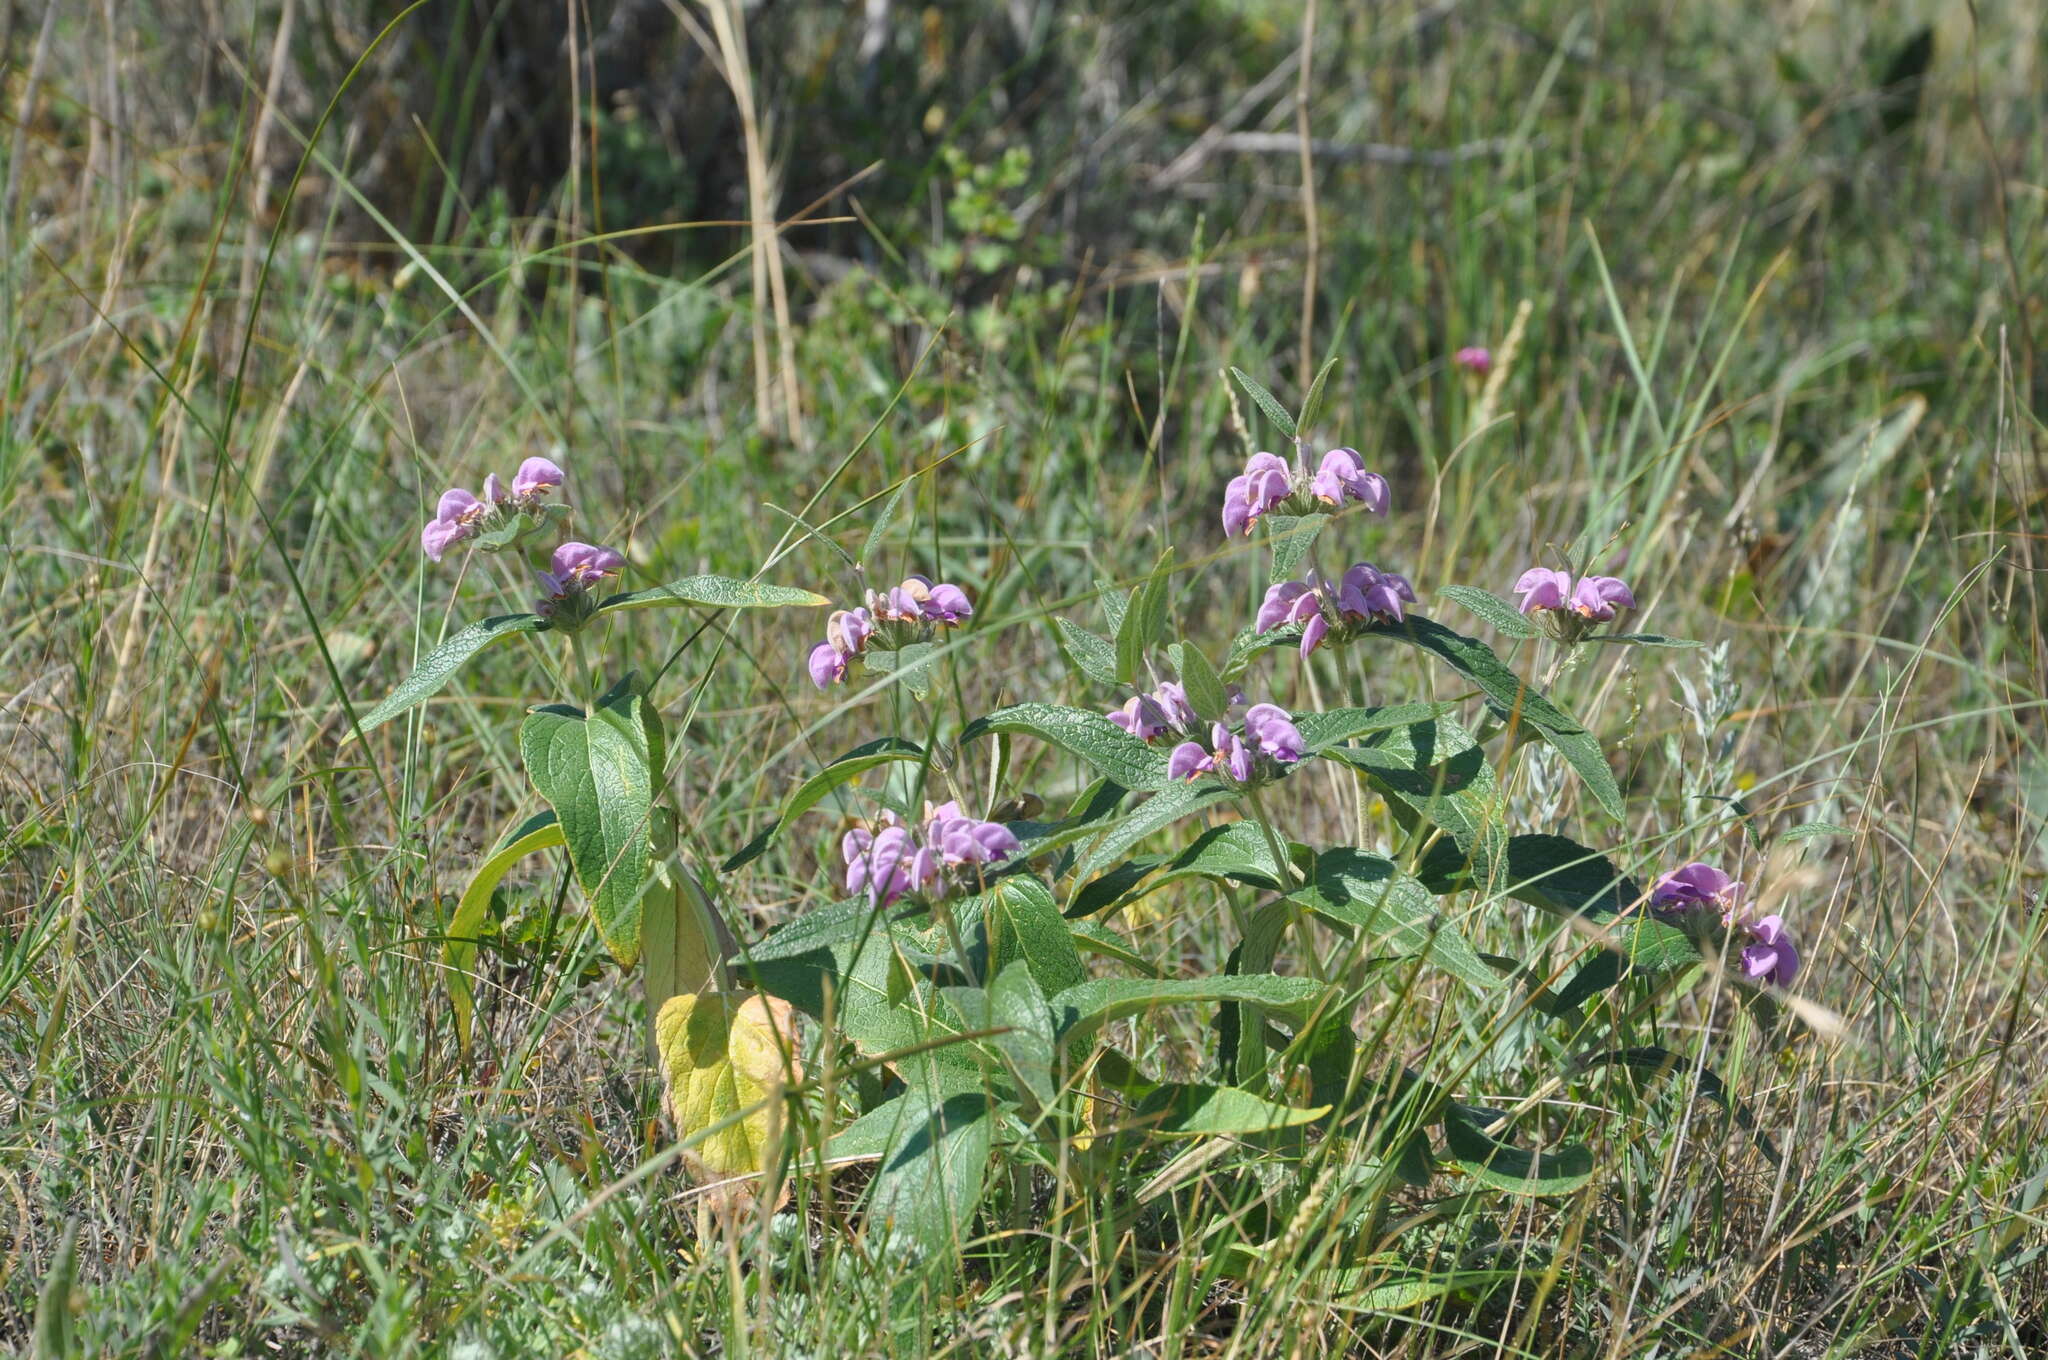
(713, 592)
(438, 667)
(594, 773)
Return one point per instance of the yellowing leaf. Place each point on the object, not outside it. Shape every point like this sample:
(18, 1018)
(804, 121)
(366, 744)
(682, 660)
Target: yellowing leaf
(725, 1055)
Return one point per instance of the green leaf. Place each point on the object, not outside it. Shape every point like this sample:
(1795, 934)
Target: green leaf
(1312, 405)
(878, 533)
(911, 665)
(594, 773)
(1558, 874)
(1556, 1171)
(1101, 940)
(55, 1334)
(1016, 1004)
(1291, 536)
(458, 952)
(1492, 608)
(1642, 640)
(1267, 402)
(439, 666)
(1087, 1006)
(1093, 655)
(1105, 746)
(1811, 830)
(713, 592)
(1369, 894)
(1115, 602)
(1144, 620)
(1319, 731)
(1513, 700)
(1206, 694)
(1015, 921)
(858, 761)
(1435, 769)
(931, 1177)
(1161, 810)
(1189, 1110)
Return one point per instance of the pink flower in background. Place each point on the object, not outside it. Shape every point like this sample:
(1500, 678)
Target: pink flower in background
(1474, 359)
(1697, 885)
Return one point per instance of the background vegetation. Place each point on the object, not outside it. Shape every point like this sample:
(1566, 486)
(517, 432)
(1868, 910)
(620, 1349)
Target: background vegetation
(271, 280)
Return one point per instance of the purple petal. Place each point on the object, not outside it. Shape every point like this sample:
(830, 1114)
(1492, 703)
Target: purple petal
(494, 490)
(1543, 588)
(1598, 597)
(440, 535)
(1313, 635)
(1188, 760)
(828, 665)
(535, 476)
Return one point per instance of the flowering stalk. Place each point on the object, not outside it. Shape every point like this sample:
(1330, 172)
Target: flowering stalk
(1363, 596)
(887, 860)
(1268, 485)
(1568, 611)
(911, 612)
(1684, 896)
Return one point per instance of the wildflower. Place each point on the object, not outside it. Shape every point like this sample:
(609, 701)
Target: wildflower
(1343, 477)
(1474, 359)
(1143, 717)
(1364, 595)
(536, 478)
(1263, 485)
(572, 571)
(1771, 957)
(1568, 610)
(1697, 885)
(890, 859)
(890, 620)
(1273, 732)
(459, 516)
(1268, 484)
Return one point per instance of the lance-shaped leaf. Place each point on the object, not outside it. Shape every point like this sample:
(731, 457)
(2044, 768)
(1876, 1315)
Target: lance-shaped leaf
(1190, 1110)
(538, 832)
(713, 592)
(1094, 738)
(1092, 654)
(1554, 1171)
(1145, 619)
(862, 758)
(1513, 700)
(1369, 894)
(725, 1061)
(594, 772)
(1496, 611)
(1266, 401)
(439, 666)
(1087, 1006)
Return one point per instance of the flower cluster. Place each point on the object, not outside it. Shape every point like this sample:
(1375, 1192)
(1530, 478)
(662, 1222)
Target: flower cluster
(461, 516)
(1699, 889)
(572, 571)
(1268, 484)
(891, 619)
(1165, 712)
(1565, 610)
(1269, 735)
(1362, 596)
(888, 859)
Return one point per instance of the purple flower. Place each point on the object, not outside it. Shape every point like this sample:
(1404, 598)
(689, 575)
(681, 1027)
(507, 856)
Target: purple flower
(1597, 597)
(578, 566)
(879, 861)
(536, 477)
(1343, 477)
(1264, 483)
(1543, 588)
(457, 517)
(1188, 760)
(968, 840)
(848, 631)
(921, 600)
(948, 605)
(1594, 599)
(1697, 885)
(1312, 636)
(1231, 753)
(1286, 602)
(828, 665)
(494, 490)
(1142, 717)
(1369, 593)
(1172, 699)
(1273, 732)
(1474, 359)
(1772, 957)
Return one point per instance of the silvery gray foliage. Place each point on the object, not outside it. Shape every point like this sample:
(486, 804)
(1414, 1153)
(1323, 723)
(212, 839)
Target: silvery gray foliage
(1708, 702)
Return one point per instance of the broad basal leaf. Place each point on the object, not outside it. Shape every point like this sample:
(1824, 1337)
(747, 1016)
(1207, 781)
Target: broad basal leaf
(538, 832)
(1554, 1171)
(725, 1060)
(1083, 1008)
(1188, 1110)
(594, 773)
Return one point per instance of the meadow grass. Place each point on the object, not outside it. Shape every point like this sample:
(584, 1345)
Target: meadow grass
(1775, 351)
